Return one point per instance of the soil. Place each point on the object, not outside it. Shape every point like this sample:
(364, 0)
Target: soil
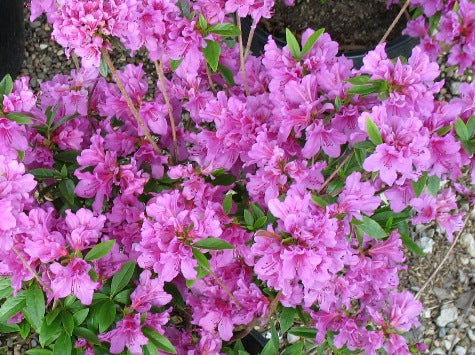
(354, 24)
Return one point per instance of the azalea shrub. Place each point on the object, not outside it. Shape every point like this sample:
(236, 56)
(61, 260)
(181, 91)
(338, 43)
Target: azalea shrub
(234, 191)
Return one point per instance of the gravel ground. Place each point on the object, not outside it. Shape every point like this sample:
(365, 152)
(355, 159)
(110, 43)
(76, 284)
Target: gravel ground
(448, 319)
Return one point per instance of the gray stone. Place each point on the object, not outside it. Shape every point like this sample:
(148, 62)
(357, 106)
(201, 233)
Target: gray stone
(468, 242)
(292, 338)
(471, 335)
(442, 332)
(441, 293)
(448, 313)
(426, 244)
(438, 351)
(459, 350)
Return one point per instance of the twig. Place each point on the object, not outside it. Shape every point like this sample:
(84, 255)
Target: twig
(333, 174)
(225, 288)
(75, 59)
(128, 100)
(395, 21)
(241, 57)
(436, 271)
(210, 80)
(249, 40)
(33, 272)
(161, 78)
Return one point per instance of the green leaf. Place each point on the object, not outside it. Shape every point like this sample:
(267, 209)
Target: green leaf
(43, 173)
(67, 156)
(80, 316)
(67, 320)
(201, 259)
(175, 63)
(469, 146)
(444, 130)
(256, 210)
(228, 203)
(39, 352)
(461, 129)
(411, 245)
(359, 80)
(150, 349)
(419, 185)
(212, 244)
(122, 278)
(227, 74)
(224, 180)
(103, 68)
(64, 120)
(24, 328)
(471, 126)
(63, 345)
(66, 188)
(372, 228)
(8, 328)
(307, 47)
(50, 113)
(35, 306)
(304, 332)
(106, 315)
(433, 185)
(294, 349)
(212, 52)
(203, 24)
(51, 316)
(159, 340)
(12, 306)
(6, 86)
(100, 250)
(5, 287)
(287, 318)
(293, 45)
(319, 201)
(50, 332)
(19, 118)
(260, 222)
(225, 29)
(373, 132)
(248, 218)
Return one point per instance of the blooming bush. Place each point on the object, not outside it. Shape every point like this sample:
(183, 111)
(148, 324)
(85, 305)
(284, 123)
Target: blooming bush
(243, 191)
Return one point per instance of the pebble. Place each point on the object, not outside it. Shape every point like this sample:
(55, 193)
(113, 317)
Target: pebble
(438, 351)
(448, 313)
(426, 313)
(426, 244)
(459, 350)
(471, 335)
(292, 338)
(43, 46)
(442, 332)
(441, 293)
(468, 242)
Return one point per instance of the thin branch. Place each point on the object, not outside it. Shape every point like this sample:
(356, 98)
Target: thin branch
(335, 172)
(161, 78)
(436, 271)
(210, 80)
(395, 21)
(129, 102)
(33, 272)
(75, 59)
(225, 288)
(241, 57)
(249, 39)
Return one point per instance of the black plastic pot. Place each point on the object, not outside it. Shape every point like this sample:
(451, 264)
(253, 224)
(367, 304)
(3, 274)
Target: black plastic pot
(254, 342)
(401, 46)
(12, 38)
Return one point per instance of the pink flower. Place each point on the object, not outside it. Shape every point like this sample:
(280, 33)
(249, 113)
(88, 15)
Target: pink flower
(85, 230)
(128, 333)
(403, 311)
(149, 292)
(73, 279)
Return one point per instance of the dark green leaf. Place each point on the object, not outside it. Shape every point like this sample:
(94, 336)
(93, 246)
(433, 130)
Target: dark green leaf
(159, 340)
(419, 185)
(66, 188)
(260, 222)
(294, 349)
(8, 328)
(122, 278)
(212, 244)
(461, 129)
(293, 45)
(225, 29)
(150, 349)
(256, 210)
(19, 118)
(100, 250)
(43, 173)
(39, 352)
(373, 132)
(67, 320)
(50, 332)
(212, 52)
(67, 156)
(106, 315)
(228, 203)
(12, 306)
(63, 345)
(469, 147)
(319, 201)
(304, 332)
(87, 334)
(227, 74)
(64, 120)
(224, 180)
(471, 126)
(24, 328)
(35, 306)
(311, 41)
(248, 218)
(174, 64)
(372, 228)
(287, 318)
(6, 86)
(201, 259)
(51, 316)
(5, 287)
(80, 316)
(124, 296)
